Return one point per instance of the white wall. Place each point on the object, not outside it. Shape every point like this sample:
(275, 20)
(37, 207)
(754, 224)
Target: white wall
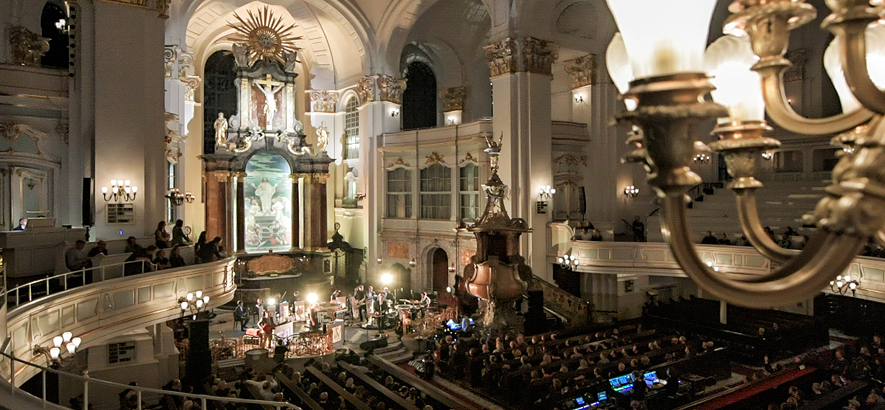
(129, 113)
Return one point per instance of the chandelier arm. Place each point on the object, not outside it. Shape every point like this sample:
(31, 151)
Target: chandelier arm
(779, 109)
(880, 237)
(801, 285)
(748, 215)
(857, 74)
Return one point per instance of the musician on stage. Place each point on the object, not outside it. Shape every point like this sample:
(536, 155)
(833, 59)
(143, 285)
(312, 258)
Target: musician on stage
(240, 316)
(387, 295)
(312, 314)
(259, 310)
(267, 326)
(425, 300)
(359, 297)
(334, 297)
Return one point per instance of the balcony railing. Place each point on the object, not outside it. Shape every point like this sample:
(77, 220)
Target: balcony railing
(24, 399)
(98, 312)
(46, 286)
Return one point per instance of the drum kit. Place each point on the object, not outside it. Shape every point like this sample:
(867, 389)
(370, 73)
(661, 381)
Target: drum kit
(408, 312)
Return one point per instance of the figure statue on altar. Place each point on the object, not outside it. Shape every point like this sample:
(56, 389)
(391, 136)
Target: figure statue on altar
(221, 130)
(322, 137)
(269, 88)
(265, 190)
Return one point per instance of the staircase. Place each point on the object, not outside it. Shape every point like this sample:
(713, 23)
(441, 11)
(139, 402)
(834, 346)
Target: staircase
(395, 351)
(574, 310)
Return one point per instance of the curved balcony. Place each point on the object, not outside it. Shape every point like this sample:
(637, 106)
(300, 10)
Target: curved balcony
(651, 258)
(99, 311)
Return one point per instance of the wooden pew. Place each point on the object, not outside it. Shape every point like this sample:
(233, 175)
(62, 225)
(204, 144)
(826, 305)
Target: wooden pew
(255, 392)
(288, 384)
(378, 387)
(355, 402)
(423, 386)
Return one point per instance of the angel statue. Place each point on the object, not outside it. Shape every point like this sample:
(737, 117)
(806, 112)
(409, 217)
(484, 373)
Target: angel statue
(221, 130)
(322, 137)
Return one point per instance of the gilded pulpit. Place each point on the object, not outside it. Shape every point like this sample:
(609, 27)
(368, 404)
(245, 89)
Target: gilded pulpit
(499, 276)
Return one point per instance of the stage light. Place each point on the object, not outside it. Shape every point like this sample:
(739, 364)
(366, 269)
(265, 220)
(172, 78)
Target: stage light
(312, 298)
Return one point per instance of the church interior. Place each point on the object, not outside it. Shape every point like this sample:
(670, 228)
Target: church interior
(426, 204)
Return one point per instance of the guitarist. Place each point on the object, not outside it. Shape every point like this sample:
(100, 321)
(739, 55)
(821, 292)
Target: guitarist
(267, 326)
(359, 296)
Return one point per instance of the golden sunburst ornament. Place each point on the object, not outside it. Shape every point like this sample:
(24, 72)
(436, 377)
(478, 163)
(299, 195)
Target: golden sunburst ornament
(267, 36)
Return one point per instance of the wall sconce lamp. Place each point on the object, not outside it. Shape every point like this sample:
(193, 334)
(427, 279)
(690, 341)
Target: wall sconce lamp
(413, 263)
(579, 98)
(62, 26)
(197, 303)
(178, 198)
(546, 192)
(120, 191)
(767, 155)
(452, 268)
(394, 113)
(701, 159)
(568, 262)
(843, 284)
(631, 191)
(55, 355)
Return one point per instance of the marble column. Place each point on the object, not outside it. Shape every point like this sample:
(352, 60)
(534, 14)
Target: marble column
(296, 213)
(217, 204)
(241, 212)
(317, 238)
(453, 104)
(521, 75)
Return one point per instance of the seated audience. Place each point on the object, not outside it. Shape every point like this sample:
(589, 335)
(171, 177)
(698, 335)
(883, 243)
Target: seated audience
(175, 258)
(100, 248)
(709, 239)
(178, 235)
(75, 259)
(161, 260)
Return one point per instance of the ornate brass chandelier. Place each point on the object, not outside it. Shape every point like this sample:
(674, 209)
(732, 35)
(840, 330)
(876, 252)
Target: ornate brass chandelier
(671, 75)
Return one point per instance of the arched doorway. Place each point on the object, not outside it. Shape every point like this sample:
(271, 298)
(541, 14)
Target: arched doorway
(439, 265)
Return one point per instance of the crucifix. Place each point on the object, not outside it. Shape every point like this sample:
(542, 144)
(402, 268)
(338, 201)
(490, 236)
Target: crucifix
(269, 88)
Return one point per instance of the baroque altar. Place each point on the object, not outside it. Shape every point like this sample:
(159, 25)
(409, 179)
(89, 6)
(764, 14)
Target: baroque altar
(265, 186)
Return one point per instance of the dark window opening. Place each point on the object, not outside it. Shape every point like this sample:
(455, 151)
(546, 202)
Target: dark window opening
(57, 56)
(219, 94)
(419, 99)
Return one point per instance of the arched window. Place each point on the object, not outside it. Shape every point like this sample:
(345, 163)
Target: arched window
(352, 129)
(436, 192)
(57, 56)
(419, 99)
(219, 94)
(469, 187)
(399, 193)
